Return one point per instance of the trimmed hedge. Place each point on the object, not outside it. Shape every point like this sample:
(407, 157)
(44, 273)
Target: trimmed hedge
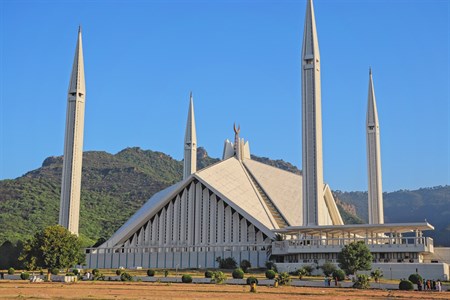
(119, 272)
(126, 277)
(238, 273)
(270, 274)
(406, 285)
(245, 265)
(251, 280)
(11, 271)
(150, 272)
(95, 272)
(208, 274)
(186, 278)
(414, 278)
(25, 276)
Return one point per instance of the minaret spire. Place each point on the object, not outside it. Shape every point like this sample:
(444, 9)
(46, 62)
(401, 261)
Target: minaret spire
(312, 163)
(237, 142)
(73, 144)
(375, 190)
(190, 142)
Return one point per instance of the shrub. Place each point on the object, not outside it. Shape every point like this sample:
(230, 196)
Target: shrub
(362, 282)
(95, 272)
(245, 265)
(208, 274)
(270, 265)
(251, 280)
(376, 274)
(219, 277)
(186, 278)
(339, 274)
(24, 276)
(166, 273)
(414, 278)
(270, 274)
(238, 273)
(308, 269)
(11, 271)
(75, 272)
(119, 272)
(70, 274)
(284, 278)
(227, 263)
(405, 285)
(328, 268)
(301, 272)
(126, 277)
(54, 271)
(150, 272)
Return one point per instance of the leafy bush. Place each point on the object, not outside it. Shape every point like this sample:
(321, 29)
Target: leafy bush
(25, 276)
(238, 273)
(126, 277)
(119, 272)
(284, 278)
(70, 274)
(270, 265)
(308, 269)
(11, 271)
(328, 268)
(270, 274)
(251, 280)
(95, 272)
(339, 274)
(406, 285)
(75, 272)
(54, 271)
(245, 265)
(186, 278)
(150, 272)
(415, 278)
(208, 274)
(301, 272)
(219, 277)
(362, 282)
(376, 274)
(166, 273)
(227, 263)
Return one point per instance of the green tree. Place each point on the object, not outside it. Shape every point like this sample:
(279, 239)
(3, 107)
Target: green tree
(328, 268)
(354, 257)
(53, 247)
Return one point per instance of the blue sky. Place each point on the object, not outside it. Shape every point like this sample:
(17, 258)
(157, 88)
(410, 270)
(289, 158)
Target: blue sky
(241, 59)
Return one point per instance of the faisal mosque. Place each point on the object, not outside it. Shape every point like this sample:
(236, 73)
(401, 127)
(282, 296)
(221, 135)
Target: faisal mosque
(245, 209)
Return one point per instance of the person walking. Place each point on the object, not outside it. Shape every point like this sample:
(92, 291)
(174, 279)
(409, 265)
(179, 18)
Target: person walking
(439, 285)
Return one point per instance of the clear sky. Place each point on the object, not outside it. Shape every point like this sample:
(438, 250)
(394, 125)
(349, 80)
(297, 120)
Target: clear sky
(241, 59)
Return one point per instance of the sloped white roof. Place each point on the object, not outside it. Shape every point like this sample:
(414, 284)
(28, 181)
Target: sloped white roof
(155, 203)
(283, 188)
(231, 181)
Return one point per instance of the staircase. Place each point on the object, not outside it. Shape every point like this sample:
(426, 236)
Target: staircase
(281, 221)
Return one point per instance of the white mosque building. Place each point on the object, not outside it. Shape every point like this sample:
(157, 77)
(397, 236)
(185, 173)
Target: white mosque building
(240, 208)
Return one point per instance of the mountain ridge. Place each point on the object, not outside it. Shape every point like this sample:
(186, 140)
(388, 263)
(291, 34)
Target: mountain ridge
(114, 186)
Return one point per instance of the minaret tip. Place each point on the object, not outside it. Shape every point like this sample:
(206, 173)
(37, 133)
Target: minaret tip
(79, 28)
(190, 95)
(370, 70)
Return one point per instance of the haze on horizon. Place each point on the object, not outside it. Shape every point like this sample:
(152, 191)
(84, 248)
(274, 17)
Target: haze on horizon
(242, 62)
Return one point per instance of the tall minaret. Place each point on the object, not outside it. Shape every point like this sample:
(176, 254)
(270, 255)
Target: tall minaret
(69, 213)
(313, 203)
(376, 214)
(190, 143)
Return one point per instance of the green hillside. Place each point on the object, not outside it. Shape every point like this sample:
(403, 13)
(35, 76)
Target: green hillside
(431, 204)
(115, 186)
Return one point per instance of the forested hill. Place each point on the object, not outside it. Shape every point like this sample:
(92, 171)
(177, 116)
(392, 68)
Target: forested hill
(115, 186)
(430, 204)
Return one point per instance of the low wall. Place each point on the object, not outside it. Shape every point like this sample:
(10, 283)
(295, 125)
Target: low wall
(171, 260)
(390, 270)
